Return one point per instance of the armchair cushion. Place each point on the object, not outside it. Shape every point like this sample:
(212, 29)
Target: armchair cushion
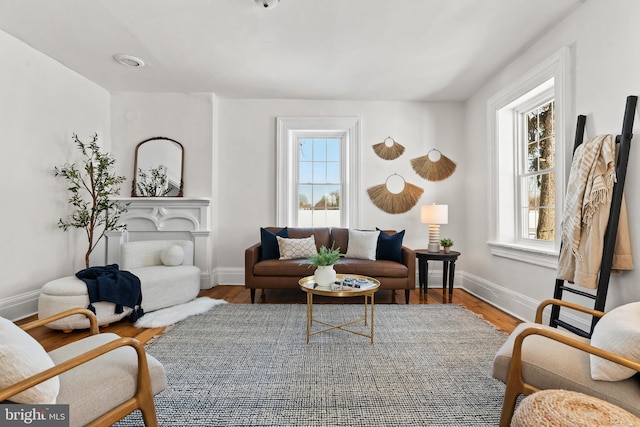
(101, 384)
(618, 331)
(21, 356)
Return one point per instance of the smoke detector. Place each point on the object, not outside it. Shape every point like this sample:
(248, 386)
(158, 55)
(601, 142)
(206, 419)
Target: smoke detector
(267, 4)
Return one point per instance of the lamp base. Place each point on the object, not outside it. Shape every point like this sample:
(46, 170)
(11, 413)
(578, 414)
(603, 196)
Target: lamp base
(433, 247)
(434, 238)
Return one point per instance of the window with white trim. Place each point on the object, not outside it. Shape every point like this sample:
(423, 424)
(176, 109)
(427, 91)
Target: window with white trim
(527, 135)
(318, 171)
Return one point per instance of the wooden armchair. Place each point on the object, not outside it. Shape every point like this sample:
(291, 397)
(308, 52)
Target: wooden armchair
(102, 377)
(552, 358)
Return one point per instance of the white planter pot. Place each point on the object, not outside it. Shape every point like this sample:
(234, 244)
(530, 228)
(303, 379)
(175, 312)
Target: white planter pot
(325, 275)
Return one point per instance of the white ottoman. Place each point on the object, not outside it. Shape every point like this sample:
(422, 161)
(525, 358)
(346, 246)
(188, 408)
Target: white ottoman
(71, 292)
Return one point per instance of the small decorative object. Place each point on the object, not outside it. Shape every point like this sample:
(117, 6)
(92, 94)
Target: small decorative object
(446, 245)
(153, 183)
(434, 215)
(395, 203)
(324, 261)
(434, 166)
(388, 149)
(96, 181)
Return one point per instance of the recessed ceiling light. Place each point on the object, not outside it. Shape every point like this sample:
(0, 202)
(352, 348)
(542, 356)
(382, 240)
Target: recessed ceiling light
(128, 60)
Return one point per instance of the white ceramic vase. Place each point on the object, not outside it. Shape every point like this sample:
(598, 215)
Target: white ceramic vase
(325, 275)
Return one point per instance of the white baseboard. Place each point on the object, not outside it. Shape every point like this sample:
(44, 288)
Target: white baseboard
(514, 303)
(228, 276)
(20, 306)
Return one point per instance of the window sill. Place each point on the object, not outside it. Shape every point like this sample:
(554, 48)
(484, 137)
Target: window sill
(529, 254)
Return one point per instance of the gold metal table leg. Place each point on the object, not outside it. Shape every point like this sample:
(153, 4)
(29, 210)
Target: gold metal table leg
(309, 314)
(372, 311)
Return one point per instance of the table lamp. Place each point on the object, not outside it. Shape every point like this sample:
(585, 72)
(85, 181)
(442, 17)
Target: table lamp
(434, 215)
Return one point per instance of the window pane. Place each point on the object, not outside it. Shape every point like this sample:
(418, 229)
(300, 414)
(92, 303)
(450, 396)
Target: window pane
(304, 196)
(333, 172)
(306, 149)
(333, 149)
(305, 172)
(532, 121)
(319, 150)
(319, 172)
(547, 149)
(532, 160)
(534, 191)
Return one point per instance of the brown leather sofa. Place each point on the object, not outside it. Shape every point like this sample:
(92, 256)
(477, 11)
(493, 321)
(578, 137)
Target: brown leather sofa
(284, 274)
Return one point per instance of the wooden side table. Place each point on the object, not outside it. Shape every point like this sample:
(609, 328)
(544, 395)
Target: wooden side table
(448, 267)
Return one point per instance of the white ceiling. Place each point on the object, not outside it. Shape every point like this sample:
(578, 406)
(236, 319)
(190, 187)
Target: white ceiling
(428, 50)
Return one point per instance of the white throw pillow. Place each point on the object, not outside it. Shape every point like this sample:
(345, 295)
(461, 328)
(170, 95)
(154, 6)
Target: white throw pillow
(172, 255)
(362, 244)
(297, 248)
(21, 356)
(618, 331)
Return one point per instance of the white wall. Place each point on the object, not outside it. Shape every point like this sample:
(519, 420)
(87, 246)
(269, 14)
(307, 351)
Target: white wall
(42, 104)
(187, 118)
(602, 39)
(247, 167)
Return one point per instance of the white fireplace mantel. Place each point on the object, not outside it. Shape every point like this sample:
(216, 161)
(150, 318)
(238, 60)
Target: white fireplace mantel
(159, 218)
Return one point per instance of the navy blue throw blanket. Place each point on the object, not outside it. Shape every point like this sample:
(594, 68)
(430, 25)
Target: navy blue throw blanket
(111, 284)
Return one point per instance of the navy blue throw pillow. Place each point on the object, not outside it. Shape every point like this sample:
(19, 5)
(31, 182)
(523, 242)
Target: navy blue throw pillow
(390, 246)
(269, 243)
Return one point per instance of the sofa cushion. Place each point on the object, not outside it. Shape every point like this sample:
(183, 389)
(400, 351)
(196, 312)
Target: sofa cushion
(172, 255)
(269, 243)
(283, 268)
(549, 364)
(297, 248)
(618, 331)
(362, 244)
(21, 356)
(390, 246)
(377, 268)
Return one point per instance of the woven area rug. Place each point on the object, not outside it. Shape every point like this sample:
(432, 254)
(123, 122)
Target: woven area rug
(249, 365)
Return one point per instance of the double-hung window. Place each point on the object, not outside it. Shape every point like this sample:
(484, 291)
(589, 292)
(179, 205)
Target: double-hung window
(319, 181)
(318, 171)
(527, 138)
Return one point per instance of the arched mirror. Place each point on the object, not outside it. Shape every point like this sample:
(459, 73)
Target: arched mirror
(157, 168)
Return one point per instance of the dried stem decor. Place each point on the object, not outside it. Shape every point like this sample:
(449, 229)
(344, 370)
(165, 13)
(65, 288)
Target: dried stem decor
(395, 203)
(388, 151)
(433, 170)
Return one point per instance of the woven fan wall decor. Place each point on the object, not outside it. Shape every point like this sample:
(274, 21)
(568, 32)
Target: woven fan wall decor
(387, 150)
(395, 203)
(441, 167)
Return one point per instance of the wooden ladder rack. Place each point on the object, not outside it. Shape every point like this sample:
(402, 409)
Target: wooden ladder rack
(600, 296)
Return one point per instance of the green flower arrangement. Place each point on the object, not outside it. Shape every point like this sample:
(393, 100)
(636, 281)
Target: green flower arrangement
(325, 257)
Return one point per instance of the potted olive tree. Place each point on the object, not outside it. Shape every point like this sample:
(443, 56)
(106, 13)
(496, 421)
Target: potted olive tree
(92, 187)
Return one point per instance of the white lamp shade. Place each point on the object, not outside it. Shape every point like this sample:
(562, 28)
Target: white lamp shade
(434, 214)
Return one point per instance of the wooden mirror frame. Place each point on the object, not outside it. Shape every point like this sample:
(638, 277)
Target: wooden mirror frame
(135, 166)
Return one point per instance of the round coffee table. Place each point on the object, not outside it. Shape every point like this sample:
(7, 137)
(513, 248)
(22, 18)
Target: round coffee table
(367, 287)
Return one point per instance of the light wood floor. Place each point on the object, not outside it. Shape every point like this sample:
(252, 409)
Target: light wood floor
(52, 339)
